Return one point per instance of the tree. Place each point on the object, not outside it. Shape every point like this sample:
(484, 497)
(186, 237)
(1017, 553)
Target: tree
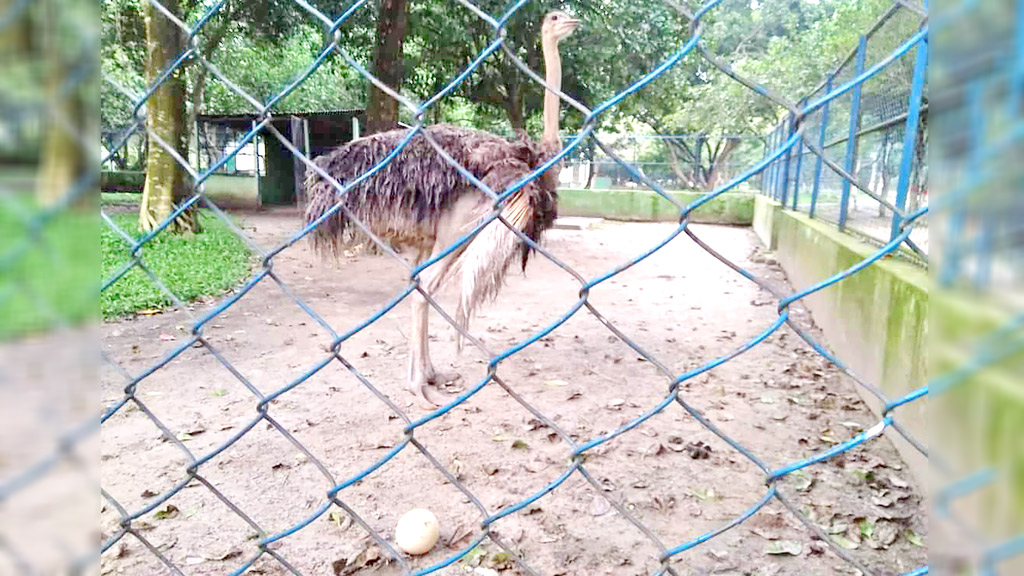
(63, 161)
(388, 66)
(166, 181)
(139, 44)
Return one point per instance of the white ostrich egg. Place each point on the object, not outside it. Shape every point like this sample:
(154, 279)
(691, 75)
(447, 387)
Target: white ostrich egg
(417, 531)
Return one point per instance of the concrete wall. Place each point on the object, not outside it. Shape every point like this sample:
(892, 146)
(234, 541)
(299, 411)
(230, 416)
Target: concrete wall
(876, 320)
(735, 208)
(763, 220)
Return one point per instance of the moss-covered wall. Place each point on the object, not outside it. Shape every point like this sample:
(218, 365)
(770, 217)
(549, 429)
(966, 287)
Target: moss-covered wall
(876, 320)
(765, 212)
(978, 423)
(896, 333)
(643, 205)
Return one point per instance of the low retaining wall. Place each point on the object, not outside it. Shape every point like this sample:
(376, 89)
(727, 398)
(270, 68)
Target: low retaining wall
(876, 320)
(736, 208)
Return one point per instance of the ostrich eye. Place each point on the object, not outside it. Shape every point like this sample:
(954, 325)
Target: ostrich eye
(555, 18)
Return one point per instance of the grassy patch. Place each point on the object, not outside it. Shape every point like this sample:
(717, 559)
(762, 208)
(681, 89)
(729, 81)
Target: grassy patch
(47, 271)
(119, 199)
(190, 265)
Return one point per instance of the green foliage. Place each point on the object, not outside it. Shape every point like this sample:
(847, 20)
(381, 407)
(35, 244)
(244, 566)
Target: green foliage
(787, 44)
(264, 68)
(190, 265)
(54, 280)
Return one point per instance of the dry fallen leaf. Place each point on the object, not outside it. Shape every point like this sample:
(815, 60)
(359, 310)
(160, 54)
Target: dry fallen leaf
(459, 533)
(599, 506)
(845, 542)
(167, 512)
(784, 547)
(676, 443)
(342, 521)
(914, 538)
(357, 562)
(535, 466)
(221, 555)
(616, 403)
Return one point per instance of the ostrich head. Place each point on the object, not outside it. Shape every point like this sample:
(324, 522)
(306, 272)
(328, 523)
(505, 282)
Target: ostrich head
(558, 26)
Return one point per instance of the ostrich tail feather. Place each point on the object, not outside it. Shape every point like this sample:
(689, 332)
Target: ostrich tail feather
(486, 259)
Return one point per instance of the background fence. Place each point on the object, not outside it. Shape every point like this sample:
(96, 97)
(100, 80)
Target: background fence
(673, 161)
(14, 483)
(865, 133)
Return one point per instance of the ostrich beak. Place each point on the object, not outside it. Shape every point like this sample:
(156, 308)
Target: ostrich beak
(569, 26)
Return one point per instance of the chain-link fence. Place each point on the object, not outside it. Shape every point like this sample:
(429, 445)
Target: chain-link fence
(265, 546)
(864, 132)
(334, 499)
(975, 249)
(673, 161)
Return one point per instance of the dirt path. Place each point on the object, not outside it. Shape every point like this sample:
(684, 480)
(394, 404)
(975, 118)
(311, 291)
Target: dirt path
(779, 399)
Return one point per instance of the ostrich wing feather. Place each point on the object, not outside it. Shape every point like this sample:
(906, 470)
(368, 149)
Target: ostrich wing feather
(405, 199)
(485, 261)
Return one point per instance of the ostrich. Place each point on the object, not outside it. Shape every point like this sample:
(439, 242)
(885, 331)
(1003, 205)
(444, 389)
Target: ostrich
(420, 203)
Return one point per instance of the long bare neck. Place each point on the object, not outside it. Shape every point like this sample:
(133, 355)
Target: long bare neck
(553, 76)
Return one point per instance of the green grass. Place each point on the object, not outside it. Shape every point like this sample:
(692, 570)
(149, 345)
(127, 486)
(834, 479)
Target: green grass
(191, 266)
(47, 278)
(119, 199)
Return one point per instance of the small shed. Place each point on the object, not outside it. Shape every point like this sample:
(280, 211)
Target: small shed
(279, 172)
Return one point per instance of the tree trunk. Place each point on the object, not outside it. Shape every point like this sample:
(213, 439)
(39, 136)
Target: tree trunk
(62, 161)
(388, 67)
(677, 169)
(885, 181)
(63, 157)
(197, 94)
(16, 36)
(166, 182)
(591, 166)
(718, 161)
(514, 108)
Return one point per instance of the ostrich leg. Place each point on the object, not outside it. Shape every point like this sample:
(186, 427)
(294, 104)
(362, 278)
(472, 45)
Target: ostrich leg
(421, 369)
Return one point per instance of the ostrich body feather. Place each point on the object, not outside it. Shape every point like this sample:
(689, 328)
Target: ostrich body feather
(419, 201)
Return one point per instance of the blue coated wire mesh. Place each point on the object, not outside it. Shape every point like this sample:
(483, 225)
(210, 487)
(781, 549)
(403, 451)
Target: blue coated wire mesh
(868, 144)
(801, 132)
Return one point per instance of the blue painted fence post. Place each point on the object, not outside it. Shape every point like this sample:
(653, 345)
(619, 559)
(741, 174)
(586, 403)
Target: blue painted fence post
(910, 135)
(821, 144)
(764, 173)
(780, 137)
(953, 242)
(1016, 93)
(772, 169)
(851, 142)
(799, 163)
(790, 125)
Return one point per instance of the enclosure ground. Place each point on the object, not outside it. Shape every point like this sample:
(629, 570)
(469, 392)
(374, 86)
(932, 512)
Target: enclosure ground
(780, 399)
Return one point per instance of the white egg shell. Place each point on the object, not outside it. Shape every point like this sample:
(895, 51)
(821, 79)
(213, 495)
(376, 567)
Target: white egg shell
(417, 531)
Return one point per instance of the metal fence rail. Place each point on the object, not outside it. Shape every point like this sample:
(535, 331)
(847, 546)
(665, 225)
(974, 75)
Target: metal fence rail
(675, 161)
(798, 135)
(862, 164)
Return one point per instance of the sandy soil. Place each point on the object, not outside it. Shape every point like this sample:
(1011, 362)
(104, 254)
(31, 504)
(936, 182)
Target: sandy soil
(780, 400)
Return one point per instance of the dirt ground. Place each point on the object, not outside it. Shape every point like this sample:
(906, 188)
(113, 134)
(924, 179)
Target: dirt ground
(779, 399)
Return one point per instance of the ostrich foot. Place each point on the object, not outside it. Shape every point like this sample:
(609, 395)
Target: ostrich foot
(445, 380)
(422, 382)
